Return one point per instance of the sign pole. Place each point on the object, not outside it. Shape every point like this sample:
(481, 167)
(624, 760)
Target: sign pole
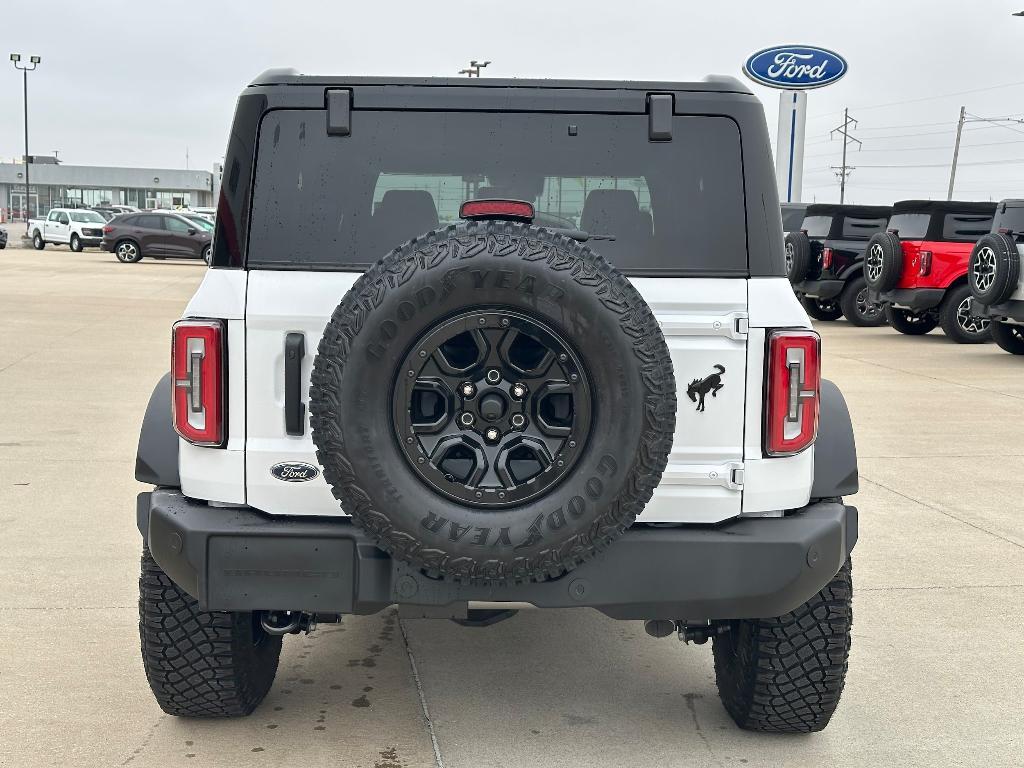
(789, 149)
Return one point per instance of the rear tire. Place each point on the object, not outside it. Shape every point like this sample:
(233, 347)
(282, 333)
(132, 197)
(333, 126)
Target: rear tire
(198, 663)
(1009, 337)
(883, 261)
(76, 244)
(957, 321)
(128, 252)
(798, 256)
(37, 241)
(822, 309)
(856, 307)
(786, 675)
(909, 323)
(207, 254)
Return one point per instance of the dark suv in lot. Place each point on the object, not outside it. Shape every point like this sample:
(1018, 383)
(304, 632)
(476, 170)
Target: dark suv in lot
(917, 268)
(158, 234)
(825, 261)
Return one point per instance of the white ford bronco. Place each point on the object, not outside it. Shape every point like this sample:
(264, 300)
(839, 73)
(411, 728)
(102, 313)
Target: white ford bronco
(470, 346)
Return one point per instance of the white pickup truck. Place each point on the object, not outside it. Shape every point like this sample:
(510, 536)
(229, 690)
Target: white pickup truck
(75, 227)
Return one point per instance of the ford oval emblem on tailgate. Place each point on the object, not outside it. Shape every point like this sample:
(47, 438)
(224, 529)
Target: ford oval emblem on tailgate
(795, 67)
(294, 471)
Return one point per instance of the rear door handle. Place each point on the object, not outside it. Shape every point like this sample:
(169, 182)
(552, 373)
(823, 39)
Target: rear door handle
(294, 409)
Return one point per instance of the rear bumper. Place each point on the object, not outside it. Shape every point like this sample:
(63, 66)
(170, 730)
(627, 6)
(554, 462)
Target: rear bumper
(819, 289)
(239, 559)
(914, 299)
(1008, 310)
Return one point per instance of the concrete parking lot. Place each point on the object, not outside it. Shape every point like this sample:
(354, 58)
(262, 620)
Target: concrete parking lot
(937, 666)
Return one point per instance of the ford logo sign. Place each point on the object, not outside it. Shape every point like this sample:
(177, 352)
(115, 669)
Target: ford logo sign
(795, 67)
(294, 471)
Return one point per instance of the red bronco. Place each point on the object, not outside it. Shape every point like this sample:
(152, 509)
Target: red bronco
(917, 269)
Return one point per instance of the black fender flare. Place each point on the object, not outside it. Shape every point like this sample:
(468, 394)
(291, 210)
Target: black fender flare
(156, 461)
(835, 450)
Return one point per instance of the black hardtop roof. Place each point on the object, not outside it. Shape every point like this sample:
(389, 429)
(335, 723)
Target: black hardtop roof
(709, 84)
(943, 206)
(831, 209)
(1013, 202)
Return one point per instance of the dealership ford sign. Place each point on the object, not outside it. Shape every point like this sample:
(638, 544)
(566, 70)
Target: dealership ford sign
(795, 67)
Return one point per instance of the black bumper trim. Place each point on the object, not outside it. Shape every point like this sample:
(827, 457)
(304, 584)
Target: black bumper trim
(238, 559)
(914, 299)
(820, 289)
(1008, 310)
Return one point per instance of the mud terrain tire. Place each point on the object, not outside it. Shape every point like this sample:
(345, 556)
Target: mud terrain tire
(524, 271)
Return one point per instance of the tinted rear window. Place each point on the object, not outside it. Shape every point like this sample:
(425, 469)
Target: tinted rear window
(817, 226)
(861, 229)
(911, 226)
(332, 202)
(1009, 217)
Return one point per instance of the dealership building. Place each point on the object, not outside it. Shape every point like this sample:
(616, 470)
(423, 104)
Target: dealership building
(55, 185)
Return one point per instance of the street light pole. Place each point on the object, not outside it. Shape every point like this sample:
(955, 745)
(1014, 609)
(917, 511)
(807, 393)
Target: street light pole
(34, 61)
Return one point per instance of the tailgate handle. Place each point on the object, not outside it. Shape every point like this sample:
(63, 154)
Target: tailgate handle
(659, 120)
(294, 409)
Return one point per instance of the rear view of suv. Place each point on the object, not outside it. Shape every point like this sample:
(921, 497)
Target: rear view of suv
(469, 345)
(918, 268)
(996, 277)
(825, 261)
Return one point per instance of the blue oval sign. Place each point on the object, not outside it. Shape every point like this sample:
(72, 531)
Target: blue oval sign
(294, 471)
(795, 67)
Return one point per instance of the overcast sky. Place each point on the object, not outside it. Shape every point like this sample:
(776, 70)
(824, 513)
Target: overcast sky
(135, 84)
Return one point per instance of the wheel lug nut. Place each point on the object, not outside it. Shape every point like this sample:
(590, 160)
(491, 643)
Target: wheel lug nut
(519, 391)
(466, 419)
(467, 389)
(518, 420)
(493, 376)
(492, 434)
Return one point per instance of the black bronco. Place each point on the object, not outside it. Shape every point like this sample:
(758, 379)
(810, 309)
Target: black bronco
(825, 261)
(470, 346)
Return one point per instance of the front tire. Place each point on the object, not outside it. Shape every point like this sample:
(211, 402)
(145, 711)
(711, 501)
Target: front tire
(786, 675)
(37, 241)
(856, 306)
(957, 320)
(207, 254)
(910, 323)
(822, 309)
(76, 244)
(1009, 337)
(199, 663)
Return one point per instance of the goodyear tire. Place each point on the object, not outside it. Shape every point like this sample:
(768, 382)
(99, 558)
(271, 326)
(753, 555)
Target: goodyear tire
(994, 268)
(883, 261)
(495, 302)
(798, 256)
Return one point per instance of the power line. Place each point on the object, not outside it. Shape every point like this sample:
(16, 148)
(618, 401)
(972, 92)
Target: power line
(923, 98)
(844, 170)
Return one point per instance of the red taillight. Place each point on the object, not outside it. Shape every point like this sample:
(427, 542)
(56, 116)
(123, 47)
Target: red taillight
(826, 258)
(108, 229)
(794, 386)
(197, 368)
(925, 268)
(497, 209)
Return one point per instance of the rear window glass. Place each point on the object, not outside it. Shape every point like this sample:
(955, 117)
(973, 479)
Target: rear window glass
(1009, 217)
(861, 229)
(817, 226)
(332, 202)
(910, 226)
(965, 227)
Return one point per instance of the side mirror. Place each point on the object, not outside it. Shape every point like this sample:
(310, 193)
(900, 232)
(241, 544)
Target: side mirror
(191, 231)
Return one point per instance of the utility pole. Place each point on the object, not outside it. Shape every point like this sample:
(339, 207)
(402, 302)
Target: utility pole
(474, 68)
(956, 151)
(844, 170)
(25, 69)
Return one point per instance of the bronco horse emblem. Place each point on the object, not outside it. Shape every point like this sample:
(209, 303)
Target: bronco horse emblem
(711, 383)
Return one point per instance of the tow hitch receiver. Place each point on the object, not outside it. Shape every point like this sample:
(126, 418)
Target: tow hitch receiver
(689, 632)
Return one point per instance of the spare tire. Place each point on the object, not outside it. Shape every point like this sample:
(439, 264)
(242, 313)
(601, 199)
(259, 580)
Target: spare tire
(994, 268)
(883, 261)
(798, 256)
(493, 402)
